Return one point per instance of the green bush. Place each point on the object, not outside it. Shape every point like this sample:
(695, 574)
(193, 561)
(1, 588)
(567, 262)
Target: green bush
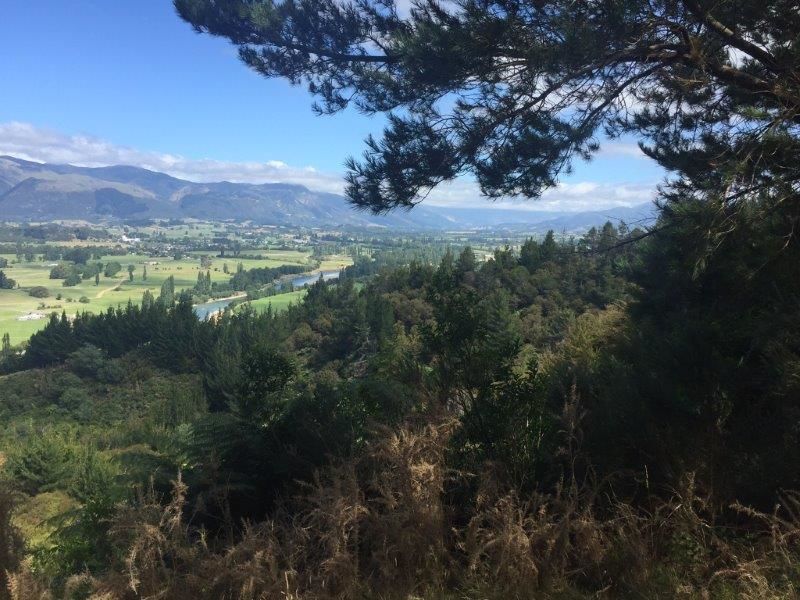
(6, 283)
(39, 291)
(82, 543)
(43, 460)
(59, 272)
(73, 399)
(87, 361)
(112, 269)
(72, 279)
(111, 371)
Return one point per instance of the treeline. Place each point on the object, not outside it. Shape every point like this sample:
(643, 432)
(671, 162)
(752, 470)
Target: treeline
(252, 279)
(50, 252)
(73, 273)
(50, 232)
(368, 264)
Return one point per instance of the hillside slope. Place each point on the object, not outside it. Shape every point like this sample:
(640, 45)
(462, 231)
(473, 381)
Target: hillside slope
(32, 191)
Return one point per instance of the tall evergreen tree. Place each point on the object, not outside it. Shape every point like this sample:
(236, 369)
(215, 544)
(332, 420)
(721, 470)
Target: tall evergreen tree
(514, 91)
(530, 255)
(549, 247)
(167, 295)
(6, 283)
(466, 261)
(147, 299)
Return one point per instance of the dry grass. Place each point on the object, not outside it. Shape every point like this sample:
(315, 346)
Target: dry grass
(10, 540)
(379, 527)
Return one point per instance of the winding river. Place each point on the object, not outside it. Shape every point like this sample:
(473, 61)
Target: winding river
(206, 309)
(304, 280)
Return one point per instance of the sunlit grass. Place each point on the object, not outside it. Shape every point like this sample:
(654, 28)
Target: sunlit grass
(118, 290)
(279, 302)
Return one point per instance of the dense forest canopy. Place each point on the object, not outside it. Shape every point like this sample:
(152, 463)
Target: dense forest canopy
(579, 387)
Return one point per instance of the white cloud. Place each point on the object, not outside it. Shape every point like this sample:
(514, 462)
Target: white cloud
(29, 142)
(403, 7)
(620, 149)
(574, 197)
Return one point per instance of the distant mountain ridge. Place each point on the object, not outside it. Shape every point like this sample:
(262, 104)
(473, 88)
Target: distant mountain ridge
(31, 191)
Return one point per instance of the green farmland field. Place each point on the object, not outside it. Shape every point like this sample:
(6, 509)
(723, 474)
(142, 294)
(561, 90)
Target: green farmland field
(16, 304)
(278, 302)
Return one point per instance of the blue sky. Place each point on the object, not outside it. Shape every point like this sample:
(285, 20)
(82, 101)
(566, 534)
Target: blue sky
(107, 81)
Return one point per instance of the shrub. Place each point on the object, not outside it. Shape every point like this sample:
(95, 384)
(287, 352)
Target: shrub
(112, 269)
(111, 371)
(81, 544)
(86, 361)
(83, 300)
(39, 291)
(59, 272)
(73, 399)
(72, 279)
(43, 460)
(6, 283)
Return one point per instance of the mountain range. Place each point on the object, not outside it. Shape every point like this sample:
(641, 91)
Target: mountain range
(31, 191)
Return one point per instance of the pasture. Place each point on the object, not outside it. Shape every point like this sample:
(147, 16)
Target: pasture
(279, 302)
(118, 290)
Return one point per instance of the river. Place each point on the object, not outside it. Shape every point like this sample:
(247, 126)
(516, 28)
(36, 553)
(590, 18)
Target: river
(303, 280)
(206, 309)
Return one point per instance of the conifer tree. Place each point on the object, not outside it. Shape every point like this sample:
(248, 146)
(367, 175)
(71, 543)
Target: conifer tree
(147, 299)
(466, 261)
(167, 295)
(5, 349)
(549, 248)
(515, 91)
(6, 283)
(530, 255)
